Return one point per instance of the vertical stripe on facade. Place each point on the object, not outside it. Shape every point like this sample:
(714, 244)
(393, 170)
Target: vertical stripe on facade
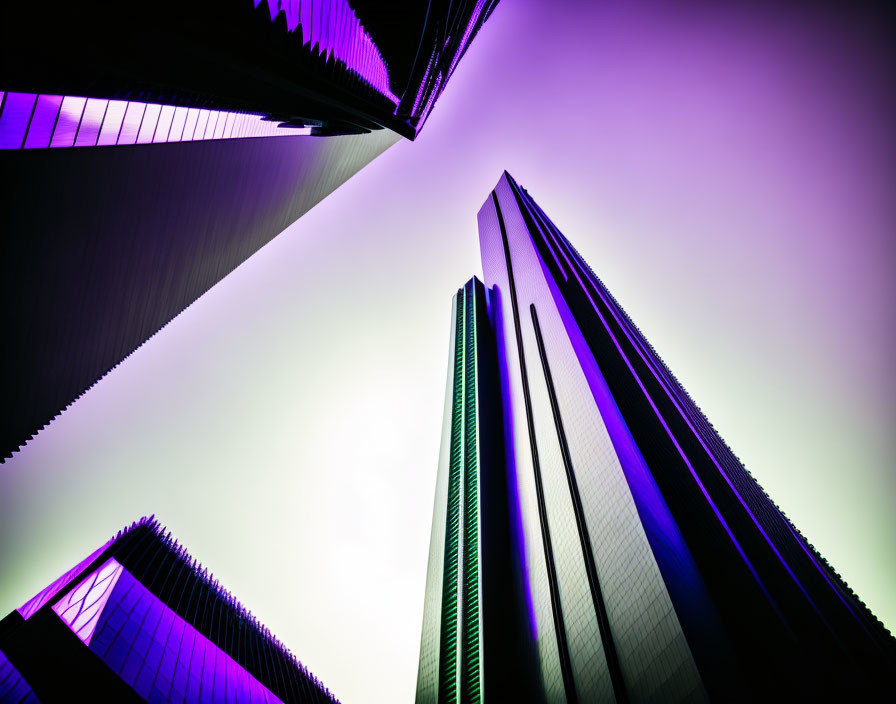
(556, 606)
(600, 607)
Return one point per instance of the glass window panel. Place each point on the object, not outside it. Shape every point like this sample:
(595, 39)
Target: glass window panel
(148, 126)
(17, 108)
(164, 126)
(175, 134)
(131, 125)
(43, 121)
(91, 122)
(112, 122)
(201, 124)
(68, 122)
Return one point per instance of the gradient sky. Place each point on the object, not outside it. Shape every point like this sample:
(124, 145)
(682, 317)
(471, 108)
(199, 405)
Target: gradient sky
(729, 173)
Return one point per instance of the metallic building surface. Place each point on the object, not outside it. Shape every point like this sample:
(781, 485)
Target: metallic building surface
(468, 649)
(649, 565)
(701, 587)
(629, 581)
(105, 245)
(116, 216)
(140, 620)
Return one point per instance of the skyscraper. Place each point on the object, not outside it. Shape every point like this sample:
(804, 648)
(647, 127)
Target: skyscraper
(468, 651)
(140, 620)
(147, 154)
(334, 66)
(653, 566)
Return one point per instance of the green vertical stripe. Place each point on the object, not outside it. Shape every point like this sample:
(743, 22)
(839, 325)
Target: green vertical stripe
(470, 681)
(448, 650)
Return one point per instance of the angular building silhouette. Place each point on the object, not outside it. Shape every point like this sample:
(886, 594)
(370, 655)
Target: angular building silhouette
(139, 620)
(647, 564)
(147, 152)
(335, 66)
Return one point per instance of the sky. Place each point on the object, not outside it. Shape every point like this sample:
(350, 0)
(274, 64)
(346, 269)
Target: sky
(728, 173)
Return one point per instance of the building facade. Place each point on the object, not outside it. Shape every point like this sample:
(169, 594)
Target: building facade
(466, 654)
(145, 154)
(653, 566)
(139, 620)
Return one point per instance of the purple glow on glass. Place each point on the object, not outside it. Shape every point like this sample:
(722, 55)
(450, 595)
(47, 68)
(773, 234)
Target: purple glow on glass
(131, 123)
(14, 119)
(148, 125)
(162, 656)
(674, 441)
(663, 381)
(220, 121)
(228, 125)
(41, 128)
(201, 125)
(68, 122)
(190, 124)
(422, 89)
(81, 608)
(178, 121)
(464, 40)
(166, 116)
(495, 310)
(30, 607)
(652, 508)
(112, 122)
(331, 28)
(431, 99)
(86, 122)
(94, 112)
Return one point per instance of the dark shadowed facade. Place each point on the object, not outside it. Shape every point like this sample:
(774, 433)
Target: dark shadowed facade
(139, 620)
(146, 153)
(653, 566)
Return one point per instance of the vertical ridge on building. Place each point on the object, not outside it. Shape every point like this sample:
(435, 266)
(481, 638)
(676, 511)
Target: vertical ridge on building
(647, 564)
(465, 611)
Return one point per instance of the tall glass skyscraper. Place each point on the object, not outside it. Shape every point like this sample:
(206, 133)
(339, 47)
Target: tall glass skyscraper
(147, 152)
(139, 620)
(646, 563)
(468, 620)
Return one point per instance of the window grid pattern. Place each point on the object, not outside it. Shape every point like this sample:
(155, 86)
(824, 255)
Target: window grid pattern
(81, 608)
(448, 658)
(164, 658)
(34, 604)
(31, 121)
(471, 681)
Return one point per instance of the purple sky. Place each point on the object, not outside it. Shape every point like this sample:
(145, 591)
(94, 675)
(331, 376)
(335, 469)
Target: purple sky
(729, 173)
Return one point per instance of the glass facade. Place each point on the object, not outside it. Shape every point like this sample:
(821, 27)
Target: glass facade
(450, 652)
(145, 623)
(30, 121)
(467, 609)
(647, 563)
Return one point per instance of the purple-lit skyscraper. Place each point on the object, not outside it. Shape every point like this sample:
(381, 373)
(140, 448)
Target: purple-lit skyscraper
(146, 151)
(139, 620)
(647, 564)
